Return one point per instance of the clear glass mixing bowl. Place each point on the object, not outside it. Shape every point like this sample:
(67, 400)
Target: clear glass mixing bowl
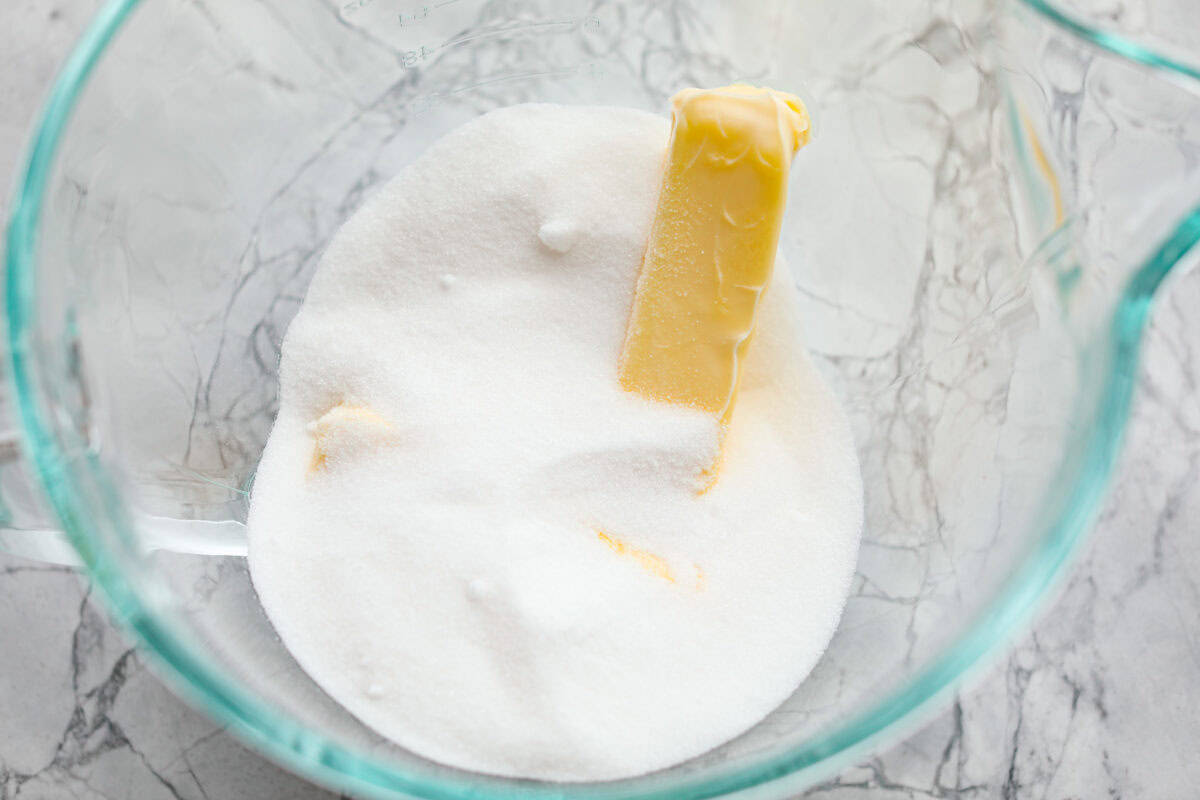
(974, 268)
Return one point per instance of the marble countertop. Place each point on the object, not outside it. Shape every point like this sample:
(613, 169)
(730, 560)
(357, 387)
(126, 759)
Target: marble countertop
(1099, 699)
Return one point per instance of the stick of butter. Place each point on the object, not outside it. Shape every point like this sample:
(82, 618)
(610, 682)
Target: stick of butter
(712, 245)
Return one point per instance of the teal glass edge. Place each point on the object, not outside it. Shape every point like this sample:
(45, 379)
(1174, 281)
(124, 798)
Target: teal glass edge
(327, 761)
(1112, 42)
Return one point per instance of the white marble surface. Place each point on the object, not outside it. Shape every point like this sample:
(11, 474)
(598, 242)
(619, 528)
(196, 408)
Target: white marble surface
(1098, 700)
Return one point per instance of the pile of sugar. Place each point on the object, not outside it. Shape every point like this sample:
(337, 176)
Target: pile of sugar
(519, 577)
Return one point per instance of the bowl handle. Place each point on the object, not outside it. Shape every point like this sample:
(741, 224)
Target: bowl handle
(27, 529)
(25, 526)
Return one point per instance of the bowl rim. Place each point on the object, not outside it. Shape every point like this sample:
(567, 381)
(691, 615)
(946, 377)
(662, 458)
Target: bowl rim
(319, 757)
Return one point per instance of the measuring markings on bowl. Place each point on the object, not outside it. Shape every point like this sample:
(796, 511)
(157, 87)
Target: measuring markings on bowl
(590, 23)
(354, 6)
(419, 16)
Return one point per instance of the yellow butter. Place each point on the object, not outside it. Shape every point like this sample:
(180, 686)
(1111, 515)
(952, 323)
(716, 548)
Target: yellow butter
(346, 428)
(712, 244)
(654, 564)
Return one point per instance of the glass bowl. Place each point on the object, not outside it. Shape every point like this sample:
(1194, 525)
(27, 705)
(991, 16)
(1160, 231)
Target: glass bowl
(993, 193)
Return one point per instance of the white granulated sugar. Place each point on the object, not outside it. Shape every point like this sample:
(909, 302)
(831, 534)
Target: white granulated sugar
(447, 580)
(559, 235)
